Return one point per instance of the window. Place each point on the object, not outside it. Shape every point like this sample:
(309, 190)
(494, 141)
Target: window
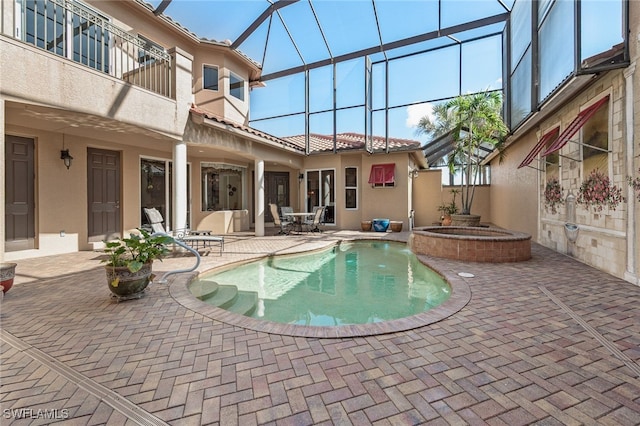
(222, 186)
(236, 86)
(145, 55)
(209, 77)
(552, 161)
(382, 175)
(351, 187)
(595, 142)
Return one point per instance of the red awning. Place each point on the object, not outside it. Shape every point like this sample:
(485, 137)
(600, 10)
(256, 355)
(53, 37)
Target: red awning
(382, 174)
(575, 125)
(549, 136)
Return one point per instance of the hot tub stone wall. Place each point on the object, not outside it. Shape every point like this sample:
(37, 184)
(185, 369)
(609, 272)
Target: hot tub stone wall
(472, 244)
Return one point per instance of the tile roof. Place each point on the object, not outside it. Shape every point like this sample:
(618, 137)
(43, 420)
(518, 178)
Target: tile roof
(318, 143)
(351, 141)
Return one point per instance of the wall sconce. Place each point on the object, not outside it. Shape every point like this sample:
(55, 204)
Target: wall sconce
(66, 157)
(300, 177)
(413, 173)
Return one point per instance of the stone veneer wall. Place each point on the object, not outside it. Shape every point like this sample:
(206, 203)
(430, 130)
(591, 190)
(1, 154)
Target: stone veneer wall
(602, 235)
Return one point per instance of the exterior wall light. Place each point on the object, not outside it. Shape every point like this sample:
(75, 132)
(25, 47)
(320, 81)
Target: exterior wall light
(66, 157)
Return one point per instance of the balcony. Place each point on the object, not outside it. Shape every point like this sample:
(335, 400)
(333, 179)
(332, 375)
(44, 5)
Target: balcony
(85, 36)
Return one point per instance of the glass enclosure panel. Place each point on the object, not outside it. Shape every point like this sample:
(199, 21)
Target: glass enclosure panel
(520, 30)
(378, 76)
(595, 140)
(281, 96)
(222, 187)
(487, 76)
(350, 83)
(320, 89)
(606, 45)
(556, 47)
(350, 120)
(283, 126)
(321, 123)
(411, 79)
(521, 90)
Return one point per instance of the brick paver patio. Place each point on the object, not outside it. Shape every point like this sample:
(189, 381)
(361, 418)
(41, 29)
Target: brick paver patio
(547, 341)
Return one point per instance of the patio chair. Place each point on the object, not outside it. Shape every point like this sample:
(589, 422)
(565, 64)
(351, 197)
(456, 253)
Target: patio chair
(284, 210)
(316, 219)
(195, 239)
(285, 227)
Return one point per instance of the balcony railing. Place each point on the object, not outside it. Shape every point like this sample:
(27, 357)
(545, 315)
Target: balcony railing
(72, 30)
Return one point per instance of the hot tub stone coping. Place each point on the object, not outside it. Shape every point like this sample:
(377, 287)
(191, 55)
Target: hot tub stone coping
(502, 234)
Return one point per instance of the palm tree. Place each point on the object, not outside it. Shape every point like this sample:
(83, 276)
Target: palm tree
(475, 122)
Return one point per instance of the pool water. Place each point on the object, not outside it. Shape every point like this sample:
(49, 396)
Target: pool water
(351, 283)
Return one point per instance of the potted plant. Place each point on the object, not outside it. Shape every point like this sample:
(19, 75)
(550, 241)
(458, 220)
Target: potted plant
(448, 209)
(597, 191)
(475, 124)
(7, 273)
(129, 262)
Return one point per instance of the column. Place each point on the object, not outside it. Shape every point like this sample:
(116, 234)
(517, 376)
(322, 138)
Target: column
(2, 182)
(259, 197)
(180, 185)
(631, 274)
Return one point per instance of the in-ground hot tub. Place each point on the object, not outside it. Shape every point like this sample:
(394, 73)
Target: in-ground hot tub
(473, 244)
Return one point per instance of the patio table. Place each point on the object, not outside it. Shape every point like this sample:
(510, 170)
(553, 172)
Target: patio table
(297, 219)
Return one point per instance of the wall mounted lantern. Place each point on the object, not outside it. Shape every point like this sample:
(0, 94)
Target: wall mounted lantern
(300, 177)
(66, 157)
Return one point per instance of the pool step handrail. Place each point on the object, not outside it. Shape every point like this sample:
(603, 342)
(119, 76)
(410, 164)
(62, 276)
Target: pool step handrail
(163, 278)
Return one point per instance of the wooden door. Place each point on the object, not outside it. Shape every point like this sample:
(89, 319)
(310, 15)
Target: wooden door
(103, 194)
(19, 205)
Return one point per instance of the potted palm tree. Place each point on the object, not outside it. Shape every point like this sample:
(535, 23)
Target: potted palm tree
(475, 124)
(129, 262)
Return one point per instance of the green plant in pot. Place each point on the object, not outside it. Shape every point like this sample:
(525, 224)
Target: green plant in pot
(129, 262)
(448, 209)
(475, 125)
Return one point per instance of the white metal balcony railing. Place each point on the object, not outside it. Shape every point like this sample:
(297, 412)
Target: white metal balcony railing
(83, 35)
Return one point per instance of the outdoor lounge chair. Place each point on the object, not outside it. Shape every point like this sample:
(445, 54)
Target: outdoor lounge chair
(196, 239)
(285, 227)
(316, 219)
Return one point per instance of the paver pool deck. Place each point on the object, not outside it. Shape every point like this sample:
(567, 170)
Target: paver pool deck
(546, 341)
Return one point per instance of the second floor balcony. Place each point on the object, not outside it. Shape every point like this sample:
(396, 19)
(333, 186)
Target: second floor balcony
(84, 35)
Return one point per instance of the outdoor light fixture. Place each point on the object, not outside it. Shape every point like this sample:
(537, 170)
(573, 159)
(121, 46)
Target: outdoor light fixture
(300, 177)
(66, 157)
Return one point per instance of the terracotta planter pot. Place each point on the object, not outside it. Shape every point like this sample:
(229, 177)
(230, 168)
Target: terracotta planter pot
(395, 226)
(365, 225)
(7, 273)
(446, 220)
(125, 284)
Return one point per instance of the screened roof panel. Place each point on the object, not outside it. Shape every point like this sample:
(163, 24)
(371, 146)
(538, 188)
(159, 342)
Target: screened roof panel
(302, 32)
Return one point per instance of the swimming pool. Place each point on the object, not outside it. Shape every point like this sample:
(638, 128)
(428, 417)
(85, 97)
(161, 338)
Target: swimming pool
(352, 283)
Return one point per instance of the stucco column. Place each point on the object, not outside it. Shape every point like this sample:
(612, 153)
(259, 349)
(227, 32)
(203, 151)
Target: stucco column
(179, 185)
(259, 197)
(2, 181)
(631, 274)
